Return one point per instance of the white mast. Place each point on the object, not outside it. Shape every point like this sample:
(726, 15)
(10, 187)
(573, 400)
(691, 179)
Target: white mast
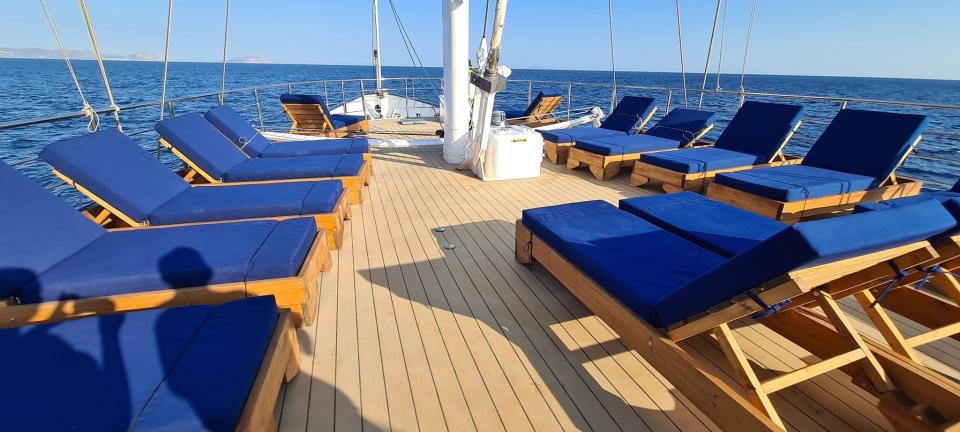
(376, 47)
(456, 79)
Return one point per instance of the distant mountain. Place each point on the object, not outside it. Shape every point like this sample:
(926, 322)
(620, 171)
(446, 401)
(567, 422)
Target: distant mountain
(250, 59)
(44, 53)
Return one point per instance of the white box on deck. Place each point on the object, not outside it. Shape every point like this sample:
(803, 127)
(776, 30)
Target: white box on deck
(513, 152)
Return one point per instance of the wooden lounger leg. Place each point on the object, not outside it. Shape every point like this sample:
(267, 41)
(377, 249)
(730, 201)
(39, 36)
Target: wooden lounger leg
(871, 368)
(744, 373)
(277, 367)
(878, 315)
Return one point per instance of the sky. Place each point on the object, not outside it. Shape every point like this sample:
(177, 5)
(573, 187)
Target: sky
(877, 38)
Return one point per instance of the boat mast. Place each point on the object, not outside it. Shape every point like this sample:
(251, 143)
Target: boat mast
(456, 79)
(378, 74)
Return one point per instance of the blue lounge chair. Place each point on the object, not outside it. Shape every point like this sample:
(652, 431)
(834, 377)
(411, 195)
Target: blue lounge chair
(627, 118)
(853, 161)
(655, 287)
(310, 116)
(55, 262)
(134, 187)
(606, 155)
(538, 113)
(754, 138)
(255, 145)
(186, 368)
(217, 160)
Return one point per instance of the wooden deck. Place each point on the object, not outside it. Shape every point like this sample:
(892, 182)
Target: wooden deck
(396, 129)
(413, 335)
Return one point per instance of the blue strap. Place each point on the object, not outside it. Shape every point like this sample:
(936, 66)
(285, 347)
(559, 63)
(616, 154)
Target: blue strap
(898, 276)
(767, 309)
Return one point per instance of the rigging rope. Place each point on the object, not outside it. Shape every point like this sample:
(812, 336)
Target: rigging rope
(166, 63)
(87, 110)
(706, 64)
(723, 38)
(683, 74)
(223, 73)
(613, 56)
(411, 50)
(103, 70)
(746, 48)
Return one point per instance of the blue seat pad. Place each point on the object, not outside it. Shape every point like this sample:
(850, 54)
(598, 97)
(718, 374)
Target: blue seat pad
(569, 136)
(635, 261)
(627, 144)
(344, 120)
(202, 143)
(760, 128)
(177, 257)
(682, 125)
(794, 182)
(804, 245)
(107, 370)
(336, 146)
(950, 200)
(317, 166)
(218, 203)
(701, 159)
(722, 228)
(512, 114)
(629, 114)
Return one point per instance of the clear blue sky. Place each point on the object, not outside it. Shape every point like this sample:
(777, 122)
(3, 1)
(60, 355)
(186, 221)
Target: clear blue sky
(892, 38)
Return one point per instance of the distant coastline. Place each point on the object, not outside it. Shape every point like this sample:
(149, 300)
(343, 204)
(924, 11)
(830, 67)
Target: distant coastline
(54, 54)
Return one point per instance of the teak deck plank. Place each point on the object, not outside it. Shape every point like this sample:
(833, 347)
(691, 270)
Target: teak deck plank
(411, 336)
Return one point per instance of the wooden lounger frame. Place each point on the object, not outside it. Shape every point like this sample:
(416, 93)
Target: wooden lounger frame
(606, 167)
(280, 364)
(901, 385)
(352, 184)
(107, 214)
(310, 119)
(298, 293)
(791, 212)
(673, 181)
(557, 153)
(541, 115)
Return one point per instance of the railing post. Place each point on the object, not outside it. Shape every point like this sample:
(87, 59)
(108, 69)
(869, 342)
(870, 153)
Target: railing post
(569, 99)
(290, 88)
(256, 99)
(529, 92)
(326, 94)
(363, 100)
(343, 97)
(170, 110)
(406, 99)
(843, 104)
(666, 109)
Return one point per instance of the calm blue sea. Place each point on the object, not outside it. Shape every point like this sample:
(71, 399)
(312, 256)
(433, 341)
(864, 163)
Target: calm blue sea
(37, 88)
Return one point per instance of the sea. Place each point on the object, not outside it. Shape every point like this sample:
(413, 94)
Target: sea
(38, 88)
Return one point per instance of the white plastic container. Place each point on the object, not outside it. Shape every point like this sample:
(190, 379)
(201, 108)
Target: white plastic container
(513, 152)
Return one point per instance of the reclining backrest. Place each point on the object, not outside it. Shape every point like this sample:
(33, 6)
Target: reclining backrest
(237, 130)
(760, 128)
(113, 167)
(304, 99)
(39, 230)
(196, 138)
(549, 102)
(868, 143)
(628, 114)
(803, 245)
(682, 125)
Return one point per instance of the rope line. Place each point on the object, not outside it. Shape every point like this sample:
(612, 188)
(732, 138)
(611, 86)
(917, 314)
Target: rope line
(706, 64)
(166, 63)
(723, 37)
(683, 74)
(88, 111)
(103, 70)
(412, 50)
(746, 48)
(613, 56)
(223, 73)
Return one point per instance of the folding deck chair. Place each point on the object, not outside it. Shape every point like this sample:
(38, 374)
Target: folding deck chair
(628, 117)
(853, 161)
(57, 263)
(310, 116)
(186, 368)
(656, 285)
(255, 145)
(605, 156)
(217, 160)
(134, 189)
(538, 113)
(754, 139)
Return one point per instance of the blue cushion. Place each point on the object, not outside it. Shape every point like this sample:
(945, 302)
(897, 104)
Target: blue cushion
(956, 187)
(176, 257)
(701, 159)
(760, 128)
(513, 114)
(868, 143)
(335, 146)
(39, 230)
(238, 130)
(632, 259)
(196, 138)
(108, 369)
(626, 144)
(343, 120)
(569, 136)
(722, 228)
(949, 199)
(804, 245)
(682, 125)
(628, 114)
(794, 182)
(319, 166)
(113, 167)
(218, 203)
